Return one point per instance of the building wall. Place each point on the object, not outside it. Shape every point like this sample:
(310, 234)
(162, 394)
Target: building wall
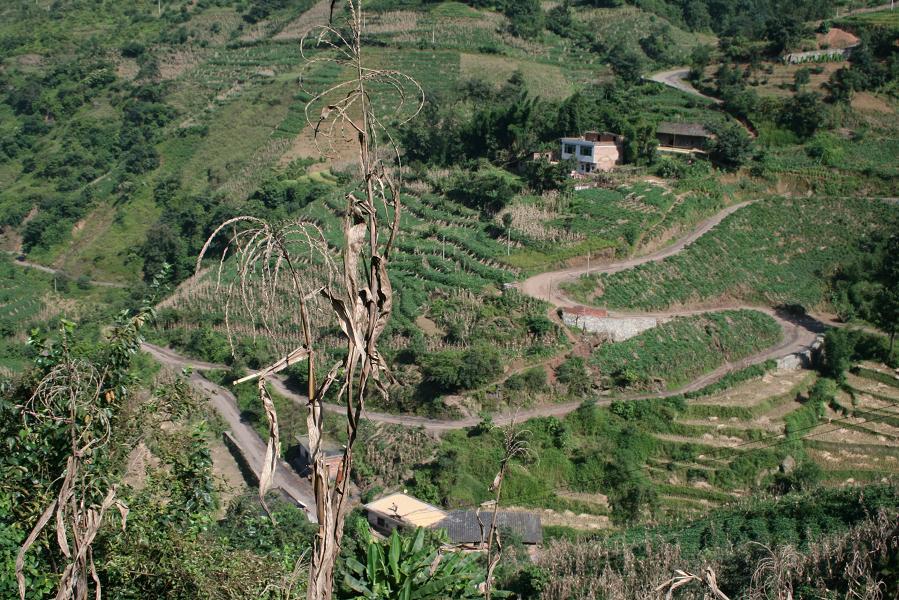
(681, 141)
(382, 523)
(818, 55)
(603, 158)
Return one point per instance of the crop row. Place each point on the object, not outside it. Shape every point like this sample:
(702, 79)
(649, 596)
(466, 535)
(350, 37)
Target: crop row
(678, 351)
(777, 251)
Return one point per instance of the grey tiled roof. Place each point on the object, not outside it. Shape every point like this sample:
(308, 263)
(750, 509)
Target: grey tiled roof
(462, 526)
(694, 129)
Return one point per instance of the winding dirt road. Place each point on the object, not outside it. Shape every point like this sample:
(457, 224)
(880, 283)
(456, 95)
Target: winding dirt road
(45, 269)
(799, 333)
(677, 78)
(246, 438)
(545, 286)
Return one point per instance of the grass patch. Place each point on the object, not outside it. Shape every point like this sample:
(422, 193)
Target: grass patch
(777, 251)
(676, 352)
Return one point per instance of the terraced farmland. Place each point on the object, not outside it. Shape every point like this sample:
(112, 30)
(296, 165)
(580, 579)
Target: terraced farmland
(776, 251)
(675, 353)
(600, 221)
(720, 444)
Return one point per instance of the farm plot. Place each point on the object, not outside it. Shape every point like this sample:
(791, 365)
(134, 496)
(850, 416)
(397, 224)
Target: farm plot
(777, 251)
(547, 230)
(678, 351)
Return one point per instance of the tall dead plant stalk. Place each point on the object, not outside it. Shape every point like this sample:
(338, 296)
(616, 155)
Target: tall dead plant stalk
(292, 266)
(81, 398)
(515, 446)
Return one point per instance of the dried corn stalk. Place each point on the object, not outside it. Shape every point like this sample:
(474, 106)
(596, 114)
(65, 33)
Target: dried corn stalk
(681, 578)
(515, 446)
(292, 266)
(70, 394)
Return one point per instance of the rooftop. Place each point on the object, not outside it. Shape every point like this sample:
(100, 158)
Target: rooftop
(328, 448)
(462, 526)
(691, 129)
(406, 508)
(593, 137)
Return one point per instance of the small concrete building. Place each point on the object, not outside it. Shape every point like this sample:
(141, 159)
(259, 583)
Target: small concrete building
(401, 511)
(683, 137)
(300, 457)
(594, 151)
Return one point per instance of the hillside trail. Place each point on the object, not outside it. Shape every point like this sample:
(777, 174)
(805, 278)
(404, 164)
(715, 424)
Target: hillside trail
(799, 333)
(677, 79)
(45, 269)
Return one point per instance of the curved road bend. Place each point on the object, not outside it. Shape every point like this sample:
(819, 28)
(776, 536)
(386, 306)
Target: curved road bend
(545, 286)
(677, 78)
(798, 336)
(249, 442)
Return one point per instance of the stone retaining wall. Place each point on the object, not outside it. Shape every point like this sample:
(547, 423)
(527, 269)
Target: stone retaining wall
(796, 58)
(617, 328)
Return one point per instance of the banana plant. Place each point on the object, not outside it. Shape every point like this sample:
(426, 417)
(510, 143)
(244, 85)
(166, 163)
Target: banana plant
(409, 567)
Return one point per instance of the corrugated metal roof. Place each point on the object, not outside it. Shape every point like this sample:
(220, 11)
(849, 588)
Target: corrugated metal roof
(693, 129)
(462, 526)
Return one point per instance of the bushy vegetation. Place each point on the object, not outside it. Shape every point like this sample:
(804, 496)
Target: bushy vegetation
(823, 530)
(676, 352)
(776, 251)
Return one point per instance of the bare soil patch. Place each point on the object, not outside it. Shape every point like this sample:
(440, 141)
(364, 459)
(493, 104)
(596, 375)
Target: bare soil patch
(227, 473)
(174, 63)
(566, 518)
(870, 386)
(753, 392)
(126, 68)
(868, 102)
(706, 439)
(428, 326)
(338, 151)
(314, 17)
(836, 38)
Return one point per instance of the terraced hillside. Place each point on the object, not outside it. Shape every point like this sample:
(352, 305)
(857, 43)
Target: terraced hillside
(600, 221)
(686, 454)
(776, 251)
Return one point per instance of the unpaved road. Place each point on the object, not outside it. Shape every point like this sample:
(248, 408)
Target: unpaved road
(249, 442)
(677, 78)
(798, 335)
(30, 265)
(546, 285)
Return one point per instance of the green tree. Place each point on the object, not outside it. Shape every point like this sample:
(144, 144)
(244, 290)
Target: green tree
(626, 63)
(801, 78)
(804, 113)
(732, 146)
(525, 17)
(838, 351)
(573, 373)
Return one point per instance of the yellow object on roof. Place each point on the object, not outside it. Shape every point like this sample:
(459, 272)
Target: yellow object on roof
(408, 509)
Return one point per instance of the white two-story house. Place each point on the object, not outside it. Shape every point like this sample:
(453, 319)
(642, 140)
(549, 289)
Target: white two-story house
(593, 151)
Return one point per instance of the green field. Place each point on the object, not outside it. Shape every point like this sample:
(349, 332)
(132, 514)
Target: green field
(776, 251)
(676, 352)
(600, 221)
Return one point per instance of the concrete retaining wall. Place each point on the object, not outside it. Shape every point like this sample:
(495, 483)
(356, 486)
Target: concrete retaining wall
(818, 55)
(243, 464)
(802, 360)
(618, 329)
